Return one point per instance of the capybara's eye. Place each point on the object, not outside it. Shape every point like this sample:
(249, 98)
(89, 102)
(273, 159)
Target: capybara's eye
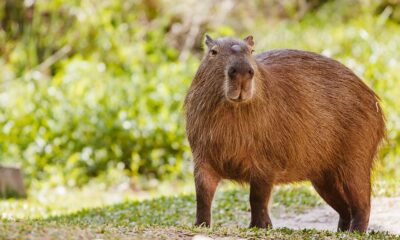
(213, 52)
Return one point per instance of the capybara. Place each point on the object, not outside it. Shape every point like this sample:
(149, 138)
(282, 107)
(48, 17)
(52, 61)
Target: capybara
(277, 117)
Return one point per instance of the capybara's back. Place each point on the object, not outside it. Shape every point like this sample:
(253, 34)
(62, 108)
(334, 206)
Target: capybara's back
(322, 113)
(278, 117)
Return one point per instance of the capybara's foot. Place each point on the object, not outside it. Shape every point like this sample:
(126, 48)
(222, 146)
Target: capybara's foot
(360, 222)
(344, 224)
(200, 223)
(261, 224)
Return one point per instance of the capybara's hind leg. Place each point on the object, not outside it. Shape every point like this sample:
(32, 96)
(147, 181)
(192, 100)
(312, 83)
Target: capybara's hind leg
(330, 188)
(358, 192)
(260, 192)
(206, 182)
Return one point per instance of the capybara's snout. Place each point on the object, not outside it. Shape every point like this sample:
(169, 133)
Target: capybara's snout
(239, 82)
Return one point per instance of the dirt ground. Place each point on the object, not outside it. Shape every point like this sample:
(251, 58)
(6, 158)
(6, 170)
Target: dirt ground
(385, 216)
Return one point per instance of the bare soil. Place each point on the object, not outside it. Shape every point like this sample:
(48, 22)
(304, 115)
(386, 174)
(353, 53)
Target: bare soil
(385, 216)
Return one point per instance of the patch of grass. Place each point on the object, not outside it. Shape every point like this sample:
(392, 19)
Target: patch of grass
(55, 231)
(297, 195)
(55, 214)
(45, 201)
(170, 218)
(231, 208)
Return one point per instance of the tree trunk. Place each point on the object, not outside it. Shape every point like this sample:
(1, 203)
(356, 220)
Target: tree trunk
(11, 182)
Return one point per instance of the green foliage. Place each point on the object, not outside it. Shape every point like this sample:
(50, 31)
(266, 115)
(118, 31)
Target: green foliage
(85, 119)
(91, 86)
(115, 99)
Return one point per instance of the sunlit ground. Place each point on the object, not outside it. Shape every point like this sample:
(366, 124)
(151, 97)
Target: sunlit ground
(49, 201)
(45, 202)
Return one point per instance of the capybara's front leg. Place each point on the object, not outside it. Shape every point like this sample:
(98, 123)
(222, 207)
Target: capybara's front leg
(206, 181)
(260, 193)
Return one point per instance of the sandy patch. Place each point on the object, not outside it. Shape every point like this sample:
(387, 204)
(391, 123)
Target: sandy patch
(385, 216)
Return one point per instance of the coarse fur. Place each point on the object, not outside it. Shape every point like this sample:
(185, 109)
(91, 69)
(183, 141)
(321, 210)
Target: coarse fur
(302, 116)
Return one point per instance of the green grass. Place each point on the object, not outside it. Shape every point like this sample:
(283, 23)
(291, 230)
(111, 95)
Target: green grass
(170, 218)
(52, 230)
(48, 202)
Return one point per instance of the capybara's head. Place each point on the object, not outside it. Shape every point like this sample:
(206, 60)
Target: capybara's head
(229, 62)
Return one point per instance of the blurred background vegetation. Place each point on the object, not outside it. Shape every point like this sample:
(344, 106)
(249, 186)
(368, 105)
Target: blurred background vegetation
(93, 89)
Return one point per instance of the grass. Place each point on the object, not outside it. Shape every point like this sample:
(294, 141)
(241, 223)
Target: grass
(168, 217)
(48, 202)
(45, 202)
(55, 231)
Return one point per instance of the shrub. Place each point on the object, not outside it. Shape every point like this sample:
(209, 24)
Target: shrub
(85, 88)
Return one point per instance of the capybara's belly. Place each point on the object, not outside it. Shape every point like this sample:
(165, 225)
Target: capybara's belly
(243, 161)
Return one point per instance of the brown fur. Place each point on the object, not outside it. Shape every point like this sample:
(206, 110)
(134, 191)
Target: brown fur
(308, 118)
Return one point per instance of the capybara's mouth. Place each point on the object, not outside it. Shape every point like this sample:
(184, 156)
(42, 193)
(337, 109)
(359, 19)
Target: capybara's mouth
(238, 100)
(239, 97)
(235, 100)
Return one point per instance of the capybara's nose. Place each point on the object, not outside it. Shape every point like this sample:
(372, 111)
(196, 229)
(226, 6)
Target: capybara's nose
(232, 72)
(244, 70)
(251, 72)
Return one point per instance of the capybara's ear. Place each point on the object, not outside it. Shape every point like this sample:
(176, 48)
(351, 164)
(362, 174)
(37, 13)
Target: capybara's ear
(249, 40)
(209, 41)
